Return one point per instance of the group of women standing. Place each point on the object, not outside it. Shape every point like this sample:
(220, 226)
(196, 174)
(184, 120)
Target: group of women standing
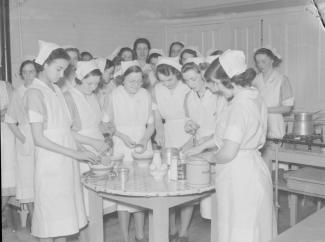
(60, 113)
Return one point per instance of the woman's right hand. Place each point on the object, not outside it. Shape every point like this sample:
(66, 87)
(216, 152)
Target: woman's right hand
(86, 155)
(191, 127)
(128, 141)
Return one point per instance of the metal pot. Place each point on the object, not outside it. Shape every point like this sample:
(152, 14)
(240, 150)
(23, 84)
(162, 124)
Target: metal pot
(303, 123)
(198, 171)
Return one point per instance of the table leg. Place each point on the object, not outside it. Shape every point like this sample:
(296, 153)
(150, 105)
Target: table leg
(96, 226)
(293, 206)
(214, 218)
(159, 224)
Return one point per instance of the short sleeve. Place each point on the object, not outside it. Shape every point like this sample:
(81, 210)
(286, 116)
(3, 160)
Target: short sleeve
(76, 122)
(235, 124)
(286, 93)
(35, 106)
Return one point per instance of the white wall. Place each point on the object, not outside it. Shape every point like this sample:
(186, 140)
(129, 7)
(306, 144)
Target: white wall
(98, 26)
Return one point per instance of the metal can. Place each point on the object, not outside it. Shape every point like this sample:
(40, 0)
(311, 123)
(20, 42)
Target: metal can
(123, 173)
(172, 173)
(181, 167)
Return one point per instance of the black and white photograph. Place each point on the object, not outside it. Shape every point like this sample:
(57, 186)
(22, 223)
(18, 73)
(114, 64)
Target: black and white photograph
(162, 120)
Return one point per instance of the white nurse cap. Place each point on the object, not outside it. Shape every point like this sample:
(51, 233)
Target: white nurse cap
(211, 58)
(195, 60)
(156, 51)
(84, 68)
(45, 49)
(101, 63)
(194, 48)
(127, 64)
(171, 61)
(233, 62)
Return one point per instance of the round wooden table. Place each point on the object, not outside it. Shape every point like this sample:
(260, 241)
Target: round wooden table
(141, 189)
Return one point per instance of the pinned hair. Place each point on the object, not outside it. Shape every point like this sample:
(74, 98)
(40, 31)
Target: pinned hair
(189, 51)
(122, 50)
(167, 70)
(193, 66)
(171, 46)
(265, 51)
(153, 55)
(216, 71)
(25, 63)
(95, 72)
(55, 54)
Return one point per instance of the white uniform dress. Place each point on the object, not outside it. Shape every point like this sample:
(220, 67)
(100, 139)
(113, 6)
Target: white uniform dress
(8, 150)
(275, 90)
(86, 115)
(130, 115)
(170, 104)
(25, 151)
(205, 111)
(59, 208)
(244, 185)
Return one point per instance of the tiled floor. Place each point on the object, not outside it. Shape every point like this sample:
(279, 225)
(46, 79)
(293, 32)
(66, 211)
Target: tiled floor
(199, 230)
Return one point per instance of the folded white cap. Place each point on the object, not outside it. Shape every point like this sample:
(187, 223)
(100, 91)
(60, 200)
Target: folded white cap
(101, 63)
(127, 64)
(233, 62)
(195, 60)
(45, 49)
(84, 68)
(157, 51)
(114, 53)
(209, 59)
(171, 61)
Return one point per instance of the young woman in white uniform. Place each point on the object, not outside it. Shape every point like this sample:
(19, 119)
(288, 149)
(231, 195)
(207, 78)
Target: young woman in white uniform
(130, 110)
(17, 121)
(203, 108)
(58, 203)
(243, 182)
(276, 90)
(8, 151)
(169, 97)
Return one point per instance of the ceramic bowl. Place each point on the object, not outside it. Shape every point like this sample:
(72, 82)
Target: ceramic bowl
(100, 169)
(143, 159)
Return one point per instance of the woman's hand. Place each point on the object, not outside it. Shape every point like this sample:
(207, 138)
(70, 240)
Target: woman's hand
(108, 128)
(141, 146)
(128, 141)
(191, 127)
(193, 151)
(86, 156)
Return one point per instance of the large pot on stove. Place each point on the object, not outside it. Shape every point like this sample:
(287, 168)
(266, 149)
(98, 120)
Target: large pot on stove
(303, 124)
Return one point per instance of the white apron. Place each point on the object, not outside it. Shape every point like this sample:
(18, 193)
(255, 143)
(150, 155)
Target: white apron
(270, 90)
(25, 151)
(90, 117)
(59, 209)
(171, 107)
(8, 151)
(131, 115)
(205, 111)
(244, 186)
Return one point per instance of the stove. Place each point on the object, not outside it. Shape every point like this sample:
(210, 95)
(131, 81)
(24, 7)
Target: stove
(308, 140)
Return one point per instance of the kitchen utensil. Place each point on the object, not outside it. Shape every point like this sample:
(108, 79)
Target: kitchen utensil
(123, 174)
(303, 124)
(197, 171)
(100, 169)
(167, 153)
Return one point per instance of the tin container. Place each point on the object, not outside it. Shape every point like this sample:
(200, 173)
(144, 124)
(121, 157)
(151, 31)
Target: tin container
(198, 172)
(172, 172)
(123, 174)
(167, 153)
(181, 167)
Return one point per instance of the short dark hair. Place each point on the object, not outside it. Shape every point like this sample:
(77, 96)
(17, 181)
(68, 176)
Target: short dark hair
(194, 66)
(167, 70)
(55, 54)
(265, 51)
(95, 72)
(126, 49)
(25, 63)
(189, 51)
(215, 70)
(140, 41)
(216, 52)
(153, 55)
(172, 44)
(86, 53)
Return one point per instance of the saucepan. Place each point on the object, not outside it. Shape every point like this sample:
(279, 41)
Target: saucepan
(303, 123)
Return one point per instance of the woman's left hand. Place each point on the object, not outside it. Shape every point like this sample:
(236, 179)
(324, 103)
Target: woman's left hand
(193, 151)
